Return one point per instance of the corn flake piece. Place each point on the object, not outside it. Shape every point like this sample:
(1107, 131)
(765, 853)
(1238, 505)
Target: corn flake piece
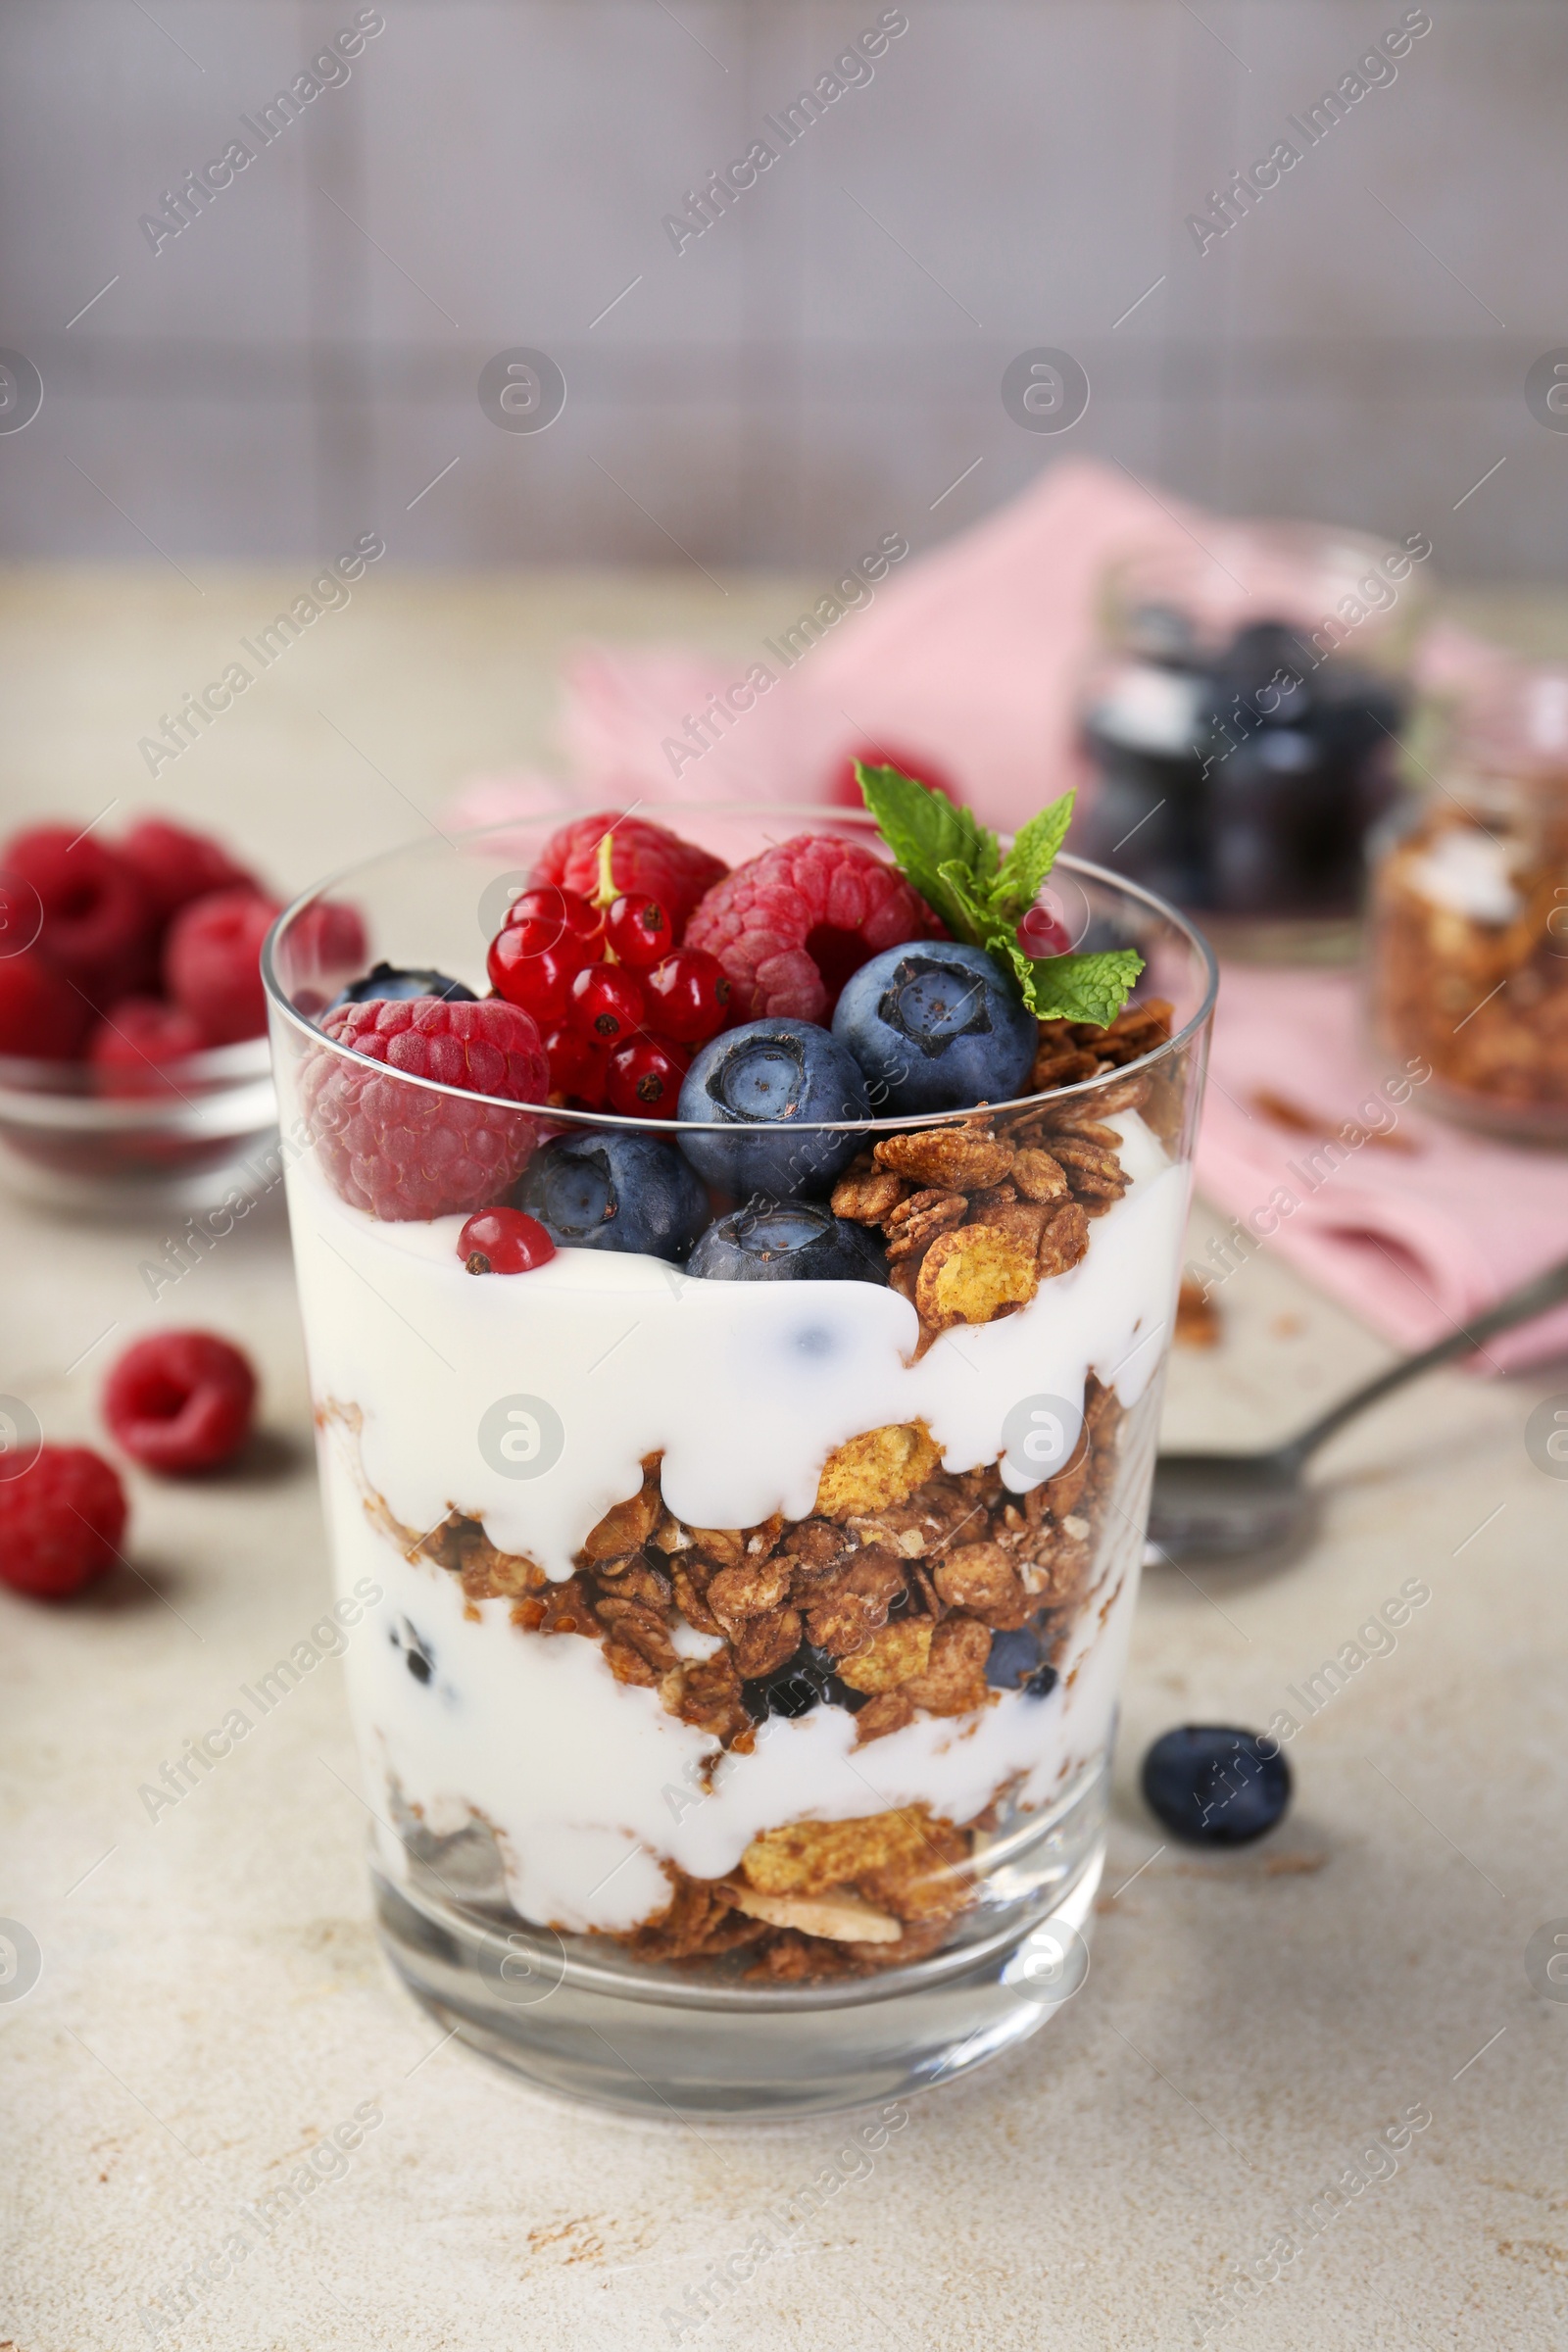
(891, 1656)
(972, 1276)
(843, 1916)
(881, 1467)
(811, 1857)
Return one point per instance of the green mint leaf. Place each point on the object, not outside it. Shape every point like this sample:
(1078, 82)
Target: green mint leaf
(1083, 988)
(925, 833)
(965, 912)
(1030, 860)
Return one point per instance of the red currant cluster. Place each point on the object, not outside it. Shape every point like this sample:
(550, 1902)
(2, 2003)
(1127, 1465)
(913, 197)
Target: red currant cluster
(618, 1004)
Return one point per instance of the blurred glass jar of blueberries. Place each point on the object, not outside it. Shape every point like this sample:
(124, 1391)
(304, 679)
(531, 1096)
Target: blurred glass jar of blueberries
(1242, 717)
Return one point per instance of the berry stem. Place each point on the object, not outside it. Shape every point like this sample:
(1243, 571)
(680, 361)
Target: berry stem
(606, 893)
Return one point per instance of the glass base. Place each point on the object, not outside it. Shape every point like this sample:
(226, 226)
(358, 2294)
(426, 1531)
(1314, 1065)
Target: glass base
(671, 2045)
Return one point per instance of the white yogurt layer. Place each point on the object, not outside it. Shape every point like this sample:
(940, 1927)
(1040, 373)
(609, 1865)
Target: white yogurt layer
(746, 1389)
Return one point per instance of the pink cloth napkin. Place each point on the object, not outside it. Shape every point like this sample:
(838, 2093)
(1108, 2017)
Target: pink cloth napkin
(1415, 1240)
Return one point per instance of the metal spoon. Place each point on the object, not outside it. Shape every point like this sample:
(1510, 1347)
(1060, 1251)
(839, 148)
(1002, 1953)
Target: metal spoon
(1227, 1505)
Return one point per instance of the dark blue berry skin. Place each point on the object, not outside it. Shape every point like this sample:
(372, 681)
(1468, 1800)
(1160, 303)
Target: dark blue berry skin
(788, 1241)
(937, 1028)
(416, 1657)
(614, 1192)
(1015, 1664)
(1211, 1786)
(387, 984)
(783, 1074)
(802, 1682)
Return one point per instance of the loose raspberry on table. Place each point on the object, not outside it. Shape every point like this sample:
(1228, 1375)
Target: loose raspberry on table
(791, 926)
(212, 963)
(131, 1048)
(42, 1017)
(400, 1152)
(61, 1522)
(176, 866)
(645, 860)
(180, 1401)
(99, 930)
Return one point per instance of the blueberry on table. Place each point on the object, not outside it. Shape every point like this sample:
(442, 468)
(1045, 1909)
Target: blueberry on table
(604, 1191)
(778, 1073)
(787, 1241)
(386, 983)
(937, 1027)
(1211, 1786)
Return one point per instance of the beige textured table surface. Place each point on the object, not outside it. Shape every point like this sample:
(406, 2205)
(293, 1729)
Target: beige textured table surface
(212, 2001)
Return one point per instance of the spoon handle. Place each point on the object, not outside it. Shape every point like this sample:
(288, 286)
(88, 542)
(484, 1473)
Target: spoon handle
(1531, 1298)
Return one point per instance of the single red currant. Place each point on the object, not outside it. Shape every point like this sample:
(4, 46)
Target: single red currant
(1041, 934)
(688, 996)
(570, 1054)
(606, 1003)
(561, 912)
(536, 970)
(644, 1078)
(590, 1088)
(639, 932)
(502, 1240)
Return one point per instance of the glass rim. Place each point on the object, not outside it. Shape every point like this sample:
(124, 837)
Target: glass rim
(592, 1120)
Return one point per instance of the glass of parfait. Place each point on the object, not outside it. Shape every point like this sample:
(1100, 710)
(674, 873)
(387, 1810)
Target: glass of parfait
(736, 1357)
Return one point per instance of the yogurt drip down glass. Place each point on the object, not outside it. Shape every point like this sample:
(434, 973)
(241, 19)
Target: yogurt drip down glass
(739, 1663)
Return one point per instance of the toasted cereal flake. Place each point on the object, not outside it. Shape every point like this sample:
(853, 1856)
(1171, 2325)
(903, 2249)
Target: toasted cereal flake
(958, 1159)
(891, 1656)
(972, 1276)
(881, 1467)
(841, 1916)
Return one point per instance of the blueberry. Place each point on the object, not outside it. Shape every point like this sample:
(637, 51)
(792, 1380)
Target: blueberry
(937, 1028)
(1015, 1664)
(416, 1655)
(783, 1074)
(802, 1682)
(1215, 1787)
(787, 1241)
(612, 1192)
(388, 982)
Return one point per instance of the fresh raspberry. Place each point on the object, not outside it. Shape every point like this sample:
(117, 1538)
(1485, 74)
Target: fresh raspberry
(180, 1401)
(131, 1048)
(42, 1017)
(99, 930)
(61, 1522)
(645, 858)
(176, 866)
(504, 1240)
(790, 927)
(212, 963)
(404, 1153)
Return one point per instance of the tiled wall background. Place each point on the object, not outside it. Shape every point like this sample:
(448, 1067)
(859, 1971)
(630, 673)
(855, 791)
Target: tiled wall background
(822, 363)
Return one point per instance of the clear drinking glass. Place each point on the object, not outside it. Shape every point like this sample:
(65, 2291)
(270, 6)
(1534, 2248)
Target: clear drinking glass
(735, 1663)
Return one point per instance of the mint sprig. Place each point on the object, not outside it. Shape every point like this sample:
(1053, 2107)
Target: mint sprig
(956, 866)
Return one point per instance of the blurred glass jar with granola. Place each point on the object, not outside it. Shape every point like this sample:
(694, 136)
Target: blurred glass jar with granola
(1243, 716)
(1468, 940)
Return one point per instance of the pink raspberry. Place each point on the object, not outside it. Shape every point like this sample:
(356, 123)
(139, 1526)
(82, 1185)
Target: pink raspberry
(402, 1152)
(131, 1050)
(99, 930)
(176, 866)
(42, 1017)
(645, 859)
(180, 1401)
(61, 1522)
(212, 963)
(790, 927)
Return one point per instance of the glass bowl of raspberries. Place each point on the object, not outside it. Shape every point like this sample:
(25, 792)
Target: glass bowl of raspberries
(134, 1059)
(737, 1258)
